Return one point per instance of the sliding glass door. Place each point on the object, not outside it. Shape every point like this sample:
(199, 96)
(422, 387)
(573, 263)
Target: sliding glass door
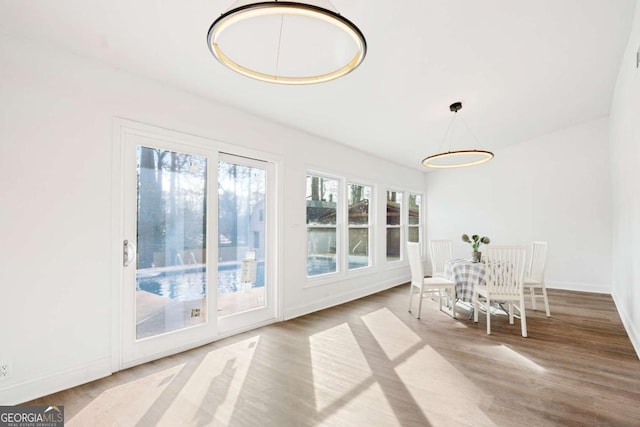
(197, 250)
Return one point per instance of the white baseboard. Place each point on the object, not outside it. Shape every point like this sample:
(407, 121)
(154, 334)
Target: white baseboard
(15, 394)
(632, 332)
(196, 344)
(342, 298)
(582, 287)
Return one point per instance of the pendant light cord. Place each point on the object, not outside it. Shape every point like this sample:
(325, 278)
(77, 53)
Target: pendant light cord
(472, 134)
(332, 6)
(279, 42)
(444, 140)
(451, 129)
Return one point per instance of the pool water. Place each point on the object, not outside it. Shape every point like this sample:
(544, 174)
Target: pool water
(190, 284)
(185, 284)
(317, 265)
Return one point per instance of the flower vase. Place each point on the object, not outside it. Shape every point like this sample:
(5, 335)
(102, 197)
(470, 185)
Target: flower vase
(476, 256)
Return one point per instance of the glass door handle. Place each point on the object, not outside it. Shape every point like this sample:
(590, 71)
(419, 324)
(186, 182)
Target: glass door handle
(128, 253)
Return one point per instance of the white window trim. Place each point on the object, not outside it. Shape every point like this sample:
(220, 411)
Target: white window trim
(370, 227)
(332, 276)
(401, 227)
(421, 218)
(342, 229)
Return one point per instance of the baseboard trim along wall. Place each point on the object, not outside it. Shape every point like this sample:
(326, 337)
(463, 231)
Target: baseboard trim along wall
(634, 334)
(311, 307)
(581, 287)
(344, 297)
(34, 388)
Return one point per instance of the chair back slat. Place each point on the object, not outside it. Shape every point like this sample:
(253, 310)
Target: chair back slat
(504, 269)
(441, 253)
(538, 261)
(415, 263)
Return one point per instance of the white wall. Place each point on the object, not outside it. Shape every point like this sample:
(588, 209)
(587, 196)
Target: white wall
(625, 156)
(554, 188)
(56, 114)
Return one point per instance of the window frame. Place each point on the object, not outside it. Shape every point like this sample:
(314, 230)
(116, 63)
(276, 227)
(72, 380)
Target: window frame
(330, 276)
(401, 226)
(370, 226)
(420, 225)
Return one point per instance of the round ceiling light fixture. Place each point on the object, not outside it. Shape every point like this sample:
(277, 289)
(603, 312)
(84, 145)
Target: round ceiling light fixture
(286, 42)
(456, 158)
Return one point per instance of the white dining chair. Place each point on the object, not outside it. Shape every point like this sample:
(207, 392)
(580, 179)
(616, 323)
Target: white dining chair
(534, 277)
(427, 284)
(440, 252)
(504, 274)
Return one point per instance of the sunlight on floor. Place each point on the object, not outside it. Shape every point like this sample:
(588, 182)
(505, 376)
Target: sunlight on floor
(344, 384)
(391, 333)
(175, 396)
(443, 393)
(356, 411)
(215, 384)
(507, 355)
(127, 403)
(337, 346)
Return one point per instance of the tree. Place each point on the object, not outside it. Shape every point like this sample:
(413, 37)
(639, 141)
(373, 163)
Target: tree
(171, 219)
(150, 223)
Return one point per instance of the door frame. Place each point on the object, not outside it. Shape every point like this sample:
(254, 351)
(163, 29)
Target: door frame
(120, 128)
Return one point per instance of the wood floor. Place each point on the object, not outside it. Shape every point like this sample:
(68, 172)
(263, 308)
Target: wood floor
(371, 363)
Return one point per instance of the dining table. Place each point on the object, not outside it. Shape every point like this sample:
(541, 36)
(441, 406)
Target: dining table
(466, 273)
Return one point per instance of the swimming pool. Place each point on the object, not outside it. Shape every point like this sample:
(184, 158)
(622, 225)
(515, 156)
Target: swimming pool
(186, 284)
(317, 265)
(189, 283)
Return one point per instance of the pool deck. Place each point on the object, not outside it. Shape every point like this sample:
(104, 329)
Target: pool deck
(156, 314)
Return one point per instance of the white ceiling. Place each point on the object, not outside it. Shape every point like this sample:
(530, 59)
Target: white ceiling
(521, 68)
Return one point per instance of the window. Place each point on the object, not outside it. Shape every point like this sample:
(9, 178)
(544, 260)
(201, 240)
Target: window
(394, 225)
(322, 197)
(415, 219)
(359, 226)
